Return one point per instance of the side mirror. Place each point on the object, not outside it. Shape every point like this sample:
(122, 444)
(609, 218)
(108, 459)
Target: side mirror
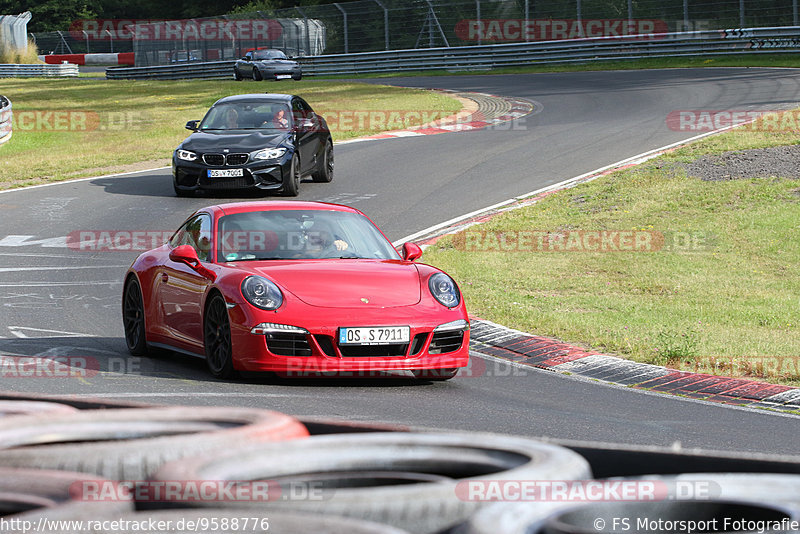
(192, 125)
(187, 255)
(304, 125)
(245, 58)
(184, 254)
(411, 252)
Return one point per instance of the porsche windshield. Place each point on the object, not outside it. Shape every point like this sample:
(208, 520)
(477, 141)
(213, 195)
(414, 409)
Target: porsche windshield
(300, 235)
(247, 116)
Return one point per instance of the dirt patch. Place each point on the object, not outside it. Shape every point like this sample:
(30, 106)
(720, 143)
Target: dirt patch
(780, 162)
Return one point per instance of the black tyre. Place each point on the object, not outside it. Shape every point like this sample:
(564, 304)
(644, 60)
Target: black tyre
(291, 187)
(236, 75)
(325, 171)
(297, 77)
(435, 375)
(29, 494)
(412, 481)
(281, 522)
(217, 338)
(133, 318)
(257, 75)
(10, 408)
(132, 443)
(182, 192)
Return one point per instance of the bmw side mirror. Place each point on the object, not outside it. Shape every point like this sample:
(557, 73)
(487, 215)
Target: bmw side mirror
(411, 252)
(192, 125)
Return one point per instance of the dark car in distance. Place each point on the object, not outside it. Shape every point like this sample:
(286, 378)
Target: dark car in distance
(265, 142)
(266, 64)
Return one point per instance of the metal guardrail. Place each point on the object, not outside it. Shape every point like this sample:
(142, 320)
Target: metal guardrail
(5, 119)
(708, 43)
(208, 69)
(12, 70)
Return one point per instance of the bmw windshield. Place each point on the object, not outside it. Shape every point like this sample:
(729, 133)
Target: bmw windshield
(247, 116)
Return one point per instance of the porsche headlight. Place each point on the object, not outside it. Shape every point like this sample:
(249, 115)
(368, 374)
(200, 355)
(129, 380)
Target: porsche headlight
(444, 289)
(261, 293)
(270, 153)
(186, 155)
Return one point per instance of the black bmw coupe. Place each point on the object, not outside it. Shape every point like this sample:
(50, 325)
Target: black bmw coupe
(266, 142)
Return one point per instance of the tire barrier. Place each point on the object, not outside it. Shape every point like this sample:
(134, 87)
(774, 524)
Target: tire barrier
(748, 497)
(12, 408)
(31, 494)
(407, 480)
(130, 444)
(226, 521)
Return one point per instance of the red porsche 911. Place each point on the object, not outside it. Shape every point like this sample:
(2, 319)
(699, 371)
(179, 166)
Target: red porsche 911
(295, 288)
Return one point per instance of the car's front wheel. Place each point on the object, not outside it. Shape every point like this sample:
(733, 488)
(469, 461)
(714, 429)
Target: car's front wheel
(297, 77)
(236, 75)
(217, 338)
(291, 186)
(325, 171)
(133, 318)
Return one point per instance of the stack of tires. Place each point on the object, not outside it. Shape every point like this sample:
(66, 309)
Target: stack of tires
(119, 468)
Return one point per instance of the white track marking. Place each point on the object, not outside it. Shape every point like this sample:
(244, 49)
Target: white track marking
(72, 268)
(633, 160)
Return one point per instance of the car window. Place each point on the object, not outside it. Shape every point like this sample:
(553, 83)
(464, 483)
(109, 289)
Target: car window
(269, 54)
(300, 234)
(246, 116)
(299, 111)
(196, 232)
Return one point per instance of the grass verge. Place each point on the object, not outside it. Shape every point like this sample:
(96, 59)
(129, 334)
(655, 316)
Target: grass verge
(720, 295)
(69, 128)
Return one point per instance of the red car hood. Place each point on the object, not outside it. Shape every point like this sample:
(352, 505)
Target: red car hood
(346, 283)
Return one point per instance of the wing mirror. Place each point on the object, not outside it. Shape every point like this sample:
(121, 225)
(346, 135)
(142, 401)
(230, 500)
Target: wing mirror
(411, 252)
(187, 255)
(192, 125)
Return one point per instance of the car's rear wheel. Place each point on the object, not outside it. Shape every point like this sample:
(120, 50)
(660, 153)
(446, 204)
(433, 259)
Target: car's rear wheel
(325, 171)
(217, 338)
(133, 318)
(291, 186)
(297, 77)
(257, 75)
(236, 75)
(435, 375)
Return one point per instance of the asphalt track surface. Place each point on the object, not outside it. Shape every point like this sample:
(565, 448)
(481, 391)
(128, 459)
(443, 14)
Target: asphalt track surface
(61, 302)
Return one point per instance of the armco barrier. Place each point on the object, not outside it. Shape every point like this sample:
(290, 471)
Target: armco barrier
(5, 119)
(706, 43)
(25, 71)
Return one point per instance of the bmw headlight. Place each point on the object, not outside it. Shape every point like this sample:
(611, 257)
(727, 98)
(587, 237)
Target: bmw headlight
(444, 289)
(270, 153)
(261, 293)
(186, 155)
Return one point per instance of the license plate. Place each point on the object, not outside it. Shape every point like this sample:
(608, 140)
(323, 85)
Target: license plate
(374, 335)
(282, 76)
(225, 173)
